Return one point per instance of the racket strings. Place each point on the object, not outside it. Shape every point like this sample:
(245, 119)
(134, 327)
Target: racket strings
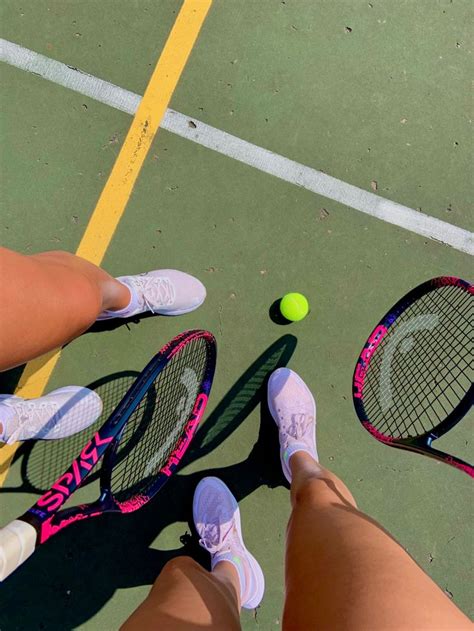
(423, 367)
(433, 395)
(156, 425)
(422, 396)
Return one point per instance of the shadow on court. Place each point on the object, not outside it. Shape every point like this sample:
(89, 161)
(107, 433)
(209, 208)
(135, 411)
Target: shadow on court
(9, 379)
(71, 577)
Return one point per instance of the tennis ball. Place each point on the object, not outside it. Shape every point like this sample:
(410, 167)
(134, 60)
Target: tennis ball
(294, 307)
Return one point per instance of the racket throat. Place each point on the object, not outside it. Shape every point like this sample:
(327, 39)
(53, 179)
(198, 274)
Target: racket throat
(106, 500)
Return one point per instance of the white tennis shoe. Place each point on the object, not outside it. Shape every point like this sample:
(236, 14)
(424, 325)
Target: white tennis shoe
(217, 519)
(294, 410)
(58, 414)
(165, 292)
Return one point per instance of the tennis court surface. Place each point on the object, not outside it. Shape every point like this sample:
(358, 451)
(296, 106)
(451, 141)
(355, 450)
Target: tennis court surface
(234, 189)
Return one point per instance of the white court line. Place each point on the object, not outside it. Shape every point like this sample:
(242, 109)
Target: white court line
(233, 147)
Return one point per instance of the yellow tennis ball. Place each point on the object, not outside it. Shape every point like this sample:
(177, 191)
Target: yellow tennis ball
(294, 307)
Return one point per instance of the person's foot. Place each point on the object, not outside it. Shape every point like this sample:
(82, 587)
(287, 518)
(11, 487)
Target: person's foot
(294, 410)
(58, 414)
(164, 292)
(217, 519)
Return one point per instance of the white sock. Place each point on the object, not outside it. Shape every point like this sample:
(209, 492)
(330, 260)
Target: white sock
(292, 449)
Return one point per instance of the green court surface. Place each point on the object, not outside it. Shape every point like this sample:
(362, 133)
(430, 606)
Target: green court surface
(375, 94)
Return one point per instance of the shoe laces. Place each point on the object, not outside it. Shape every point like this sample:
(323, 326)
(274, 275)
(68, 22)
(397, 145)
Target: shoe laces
(296, 427)
(154, 291)
(33, 413)
(212, 538)
(33, 410)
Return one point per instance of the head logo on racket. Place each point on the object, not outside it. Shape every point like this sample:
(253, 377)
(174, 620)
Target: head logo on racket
(402, 340)
(190, 381)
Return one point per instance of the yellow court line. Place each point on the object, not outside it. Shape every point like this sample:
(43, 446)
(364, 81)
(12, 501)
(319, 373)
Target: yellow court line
(117, 190)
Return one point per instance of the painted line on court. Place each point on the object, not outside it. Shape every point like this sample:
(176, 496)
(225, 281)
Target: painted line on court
(150, 111)
(112, 202)
(243, 151)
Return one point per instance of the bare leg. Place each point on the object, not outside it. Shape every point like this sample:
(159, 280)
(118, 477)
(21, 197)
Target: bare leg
(48, 299)
(186, 597)
(344, 571)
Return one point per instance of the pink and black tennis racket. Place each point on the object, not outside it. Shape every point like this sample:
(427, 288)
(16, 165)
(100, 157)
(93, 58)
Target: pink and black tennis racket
(141, 443)
(413, 381)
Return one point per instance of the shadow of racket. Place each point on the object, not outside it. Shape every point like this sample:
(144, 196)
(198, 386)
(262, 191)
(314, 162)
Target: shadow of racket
(246, 393)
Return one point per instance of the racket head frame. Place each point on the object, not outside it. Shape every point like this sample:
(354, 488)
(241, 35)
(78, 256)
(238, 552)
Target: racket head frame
(46, 515)
(421, 443)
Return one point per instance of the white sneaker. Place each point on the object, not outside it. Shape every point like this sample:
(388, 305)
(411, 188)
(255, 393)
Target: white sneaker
(217, 519)
(58, 414)
(164, 291)
(294, 410)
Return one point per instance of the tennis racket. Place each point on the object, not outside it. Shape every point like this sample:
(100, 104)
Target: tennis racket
(141, 443)
(413, 380)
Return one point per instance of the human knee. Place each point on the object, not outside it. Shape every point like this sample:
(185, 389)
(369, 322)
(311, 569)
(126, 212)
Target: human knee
(62, 254)
(320, 488)
(181, 565)
(58, 256)
(310, 488)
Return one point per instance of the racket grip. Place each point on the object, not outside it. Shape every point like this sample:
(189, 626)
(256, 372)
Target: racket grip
(17, 543)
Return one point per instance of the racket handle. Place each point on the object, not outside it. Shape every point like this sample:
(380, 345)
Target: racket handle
(17, 543)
